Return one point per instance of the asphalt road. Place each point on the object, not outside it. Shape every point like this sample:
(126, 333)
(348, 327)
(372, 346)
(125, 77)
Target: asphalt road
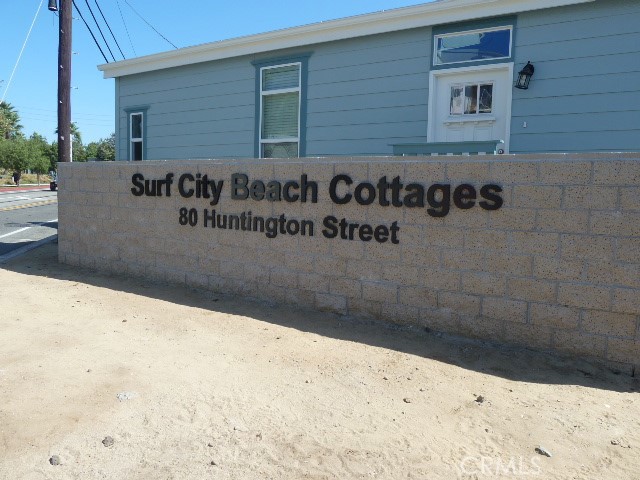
(26, 217)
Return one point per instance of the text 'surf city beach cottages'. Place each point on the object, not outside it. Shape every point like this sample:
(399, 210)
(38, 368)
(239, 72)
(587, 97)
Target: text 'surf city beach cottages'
(536, 242)
(445, 71)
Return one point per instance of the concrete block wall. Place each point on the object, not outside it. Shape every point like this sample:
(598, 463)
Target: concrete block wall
(556, 267)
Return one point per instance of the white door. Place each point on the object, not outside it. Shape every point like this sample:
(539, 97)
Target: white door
(471, 104)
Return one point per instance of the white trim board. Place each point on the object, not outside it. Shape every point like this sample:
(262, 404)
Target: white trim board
(423, 15)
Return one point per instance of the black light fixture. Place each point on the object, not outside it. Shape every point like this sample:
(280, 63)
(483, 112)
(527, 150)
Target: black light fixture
(53, 5)
(524, 76)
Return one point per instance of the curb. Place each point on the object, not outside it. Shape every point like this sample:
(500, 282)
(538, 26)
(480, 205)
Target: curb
(23, 189)
(27, 248)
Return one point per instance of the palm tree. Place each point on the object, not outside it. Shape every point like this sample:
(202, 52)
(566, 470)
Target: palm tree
(76, 143)
(9, 121)
(75, 133)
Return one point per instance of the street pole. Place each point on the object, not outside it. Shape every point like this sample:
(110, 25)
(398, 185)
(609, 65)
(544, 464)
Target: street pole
(64, 80)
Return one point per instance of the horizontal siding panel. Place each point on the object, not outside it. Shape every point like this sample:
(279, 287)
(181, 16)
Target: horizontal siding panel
(188, 141)
(597, 9)
(221, 150)
(373, 146)
(240, 101)
(361, 49)
(372, 86)
(581, 122)
(241, 87)
(414, 51)
(368, 131)
(578, 67)
(593, 84)
(204, 128)
(368, 116)
(186, 73)
(586, 48)
(577, 29)
(368, 101)
(215, 83)
(369, 71)
(594, 103)
(603, 141)
(202, 115)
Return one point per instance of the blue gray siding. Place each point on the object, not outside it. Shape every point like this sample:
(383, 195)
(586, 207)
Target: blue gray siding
(585, 93)
(198, 111)
(367, 93)
(363, 94)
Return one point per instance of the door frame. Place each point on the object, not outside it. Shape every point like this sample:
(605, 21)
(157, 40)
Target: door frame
(434, 75)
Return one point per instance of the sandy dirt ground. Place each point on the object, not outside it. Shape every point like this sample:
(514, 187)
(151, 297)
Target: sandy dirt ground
(120, 378)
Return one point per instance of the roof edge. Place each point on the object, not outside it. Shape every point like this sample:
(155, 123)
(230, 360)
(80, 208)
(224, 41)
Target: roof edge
(424, 15)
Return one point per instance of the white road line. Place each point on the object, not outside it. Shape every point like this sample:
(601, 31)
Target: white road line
(15, 198)
(13, 233)
(27, 228)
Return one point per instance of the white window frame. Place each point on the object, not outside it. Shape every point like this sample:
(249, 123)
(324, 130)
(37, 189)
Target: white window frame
(470, 32)
(133, 139)
(435, 74)
(264, 93)
(478, 113)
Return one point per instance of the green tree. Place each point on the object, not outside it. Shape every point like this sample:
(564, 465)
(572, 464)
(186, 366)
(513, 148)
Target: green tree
(9, 121)
(107, 148)
(77, 149)
(91, 150)
(39, 143)
(103, 150)
(52, 155)
(14, 155)
(38, 150)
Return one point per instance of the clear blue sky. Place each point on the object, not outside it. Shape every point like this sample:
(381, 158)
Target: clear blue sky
(33, 90)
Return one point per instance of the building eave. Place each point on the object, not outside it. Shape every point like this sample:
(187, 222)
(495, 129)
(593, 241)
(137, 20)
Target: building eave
(424, 15)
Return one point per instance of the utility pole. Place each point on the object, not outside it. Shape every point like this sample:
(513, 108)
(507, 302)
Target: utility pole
(64, 78)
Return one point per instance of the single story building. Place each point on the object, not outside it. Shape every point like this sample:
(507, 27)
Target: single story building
(445, 71)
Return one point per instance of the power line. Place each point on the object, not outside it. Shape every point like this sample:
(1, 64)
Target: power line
(107, 23)
(48, 116)
(99, 29)
(6, 89)
(134, 10)
(54, 112)
(125, 27)
(87, 25)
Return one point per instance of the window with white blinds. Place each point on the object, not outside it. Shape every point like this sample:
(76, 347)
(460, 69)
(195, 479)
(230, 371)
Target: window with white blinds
(280, 111)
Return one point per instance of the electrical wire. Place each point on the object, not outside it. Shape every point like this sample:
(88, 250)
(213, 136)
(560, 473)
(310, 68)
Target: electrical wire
(99, 29)
(107, 24)
(134, 10)
(6, 89)
(125, 27)
(88, 28)
(53, 112)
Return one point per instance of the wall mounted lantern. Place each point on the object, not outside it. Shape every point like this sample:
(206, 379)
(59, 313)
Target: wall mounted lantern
(524, 76)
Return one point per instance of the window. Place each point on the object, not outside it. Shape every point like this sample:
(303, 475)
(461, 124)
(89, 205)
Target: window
(280, 88)
(136, 131)
(472, 46)
(471, 99)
